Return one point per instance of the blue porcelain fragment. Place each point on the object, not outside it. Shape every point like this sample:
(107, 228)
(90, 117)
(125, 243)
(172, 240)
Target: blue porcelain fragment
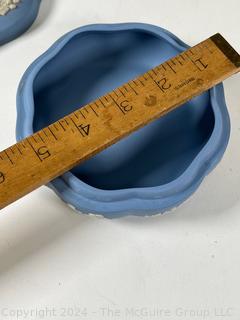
(155, 168)
(16, 21)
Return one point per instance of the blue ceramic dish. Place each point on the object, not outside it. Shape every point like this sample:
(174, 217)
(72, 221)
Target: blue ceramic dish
(155, 168)
(17, 21)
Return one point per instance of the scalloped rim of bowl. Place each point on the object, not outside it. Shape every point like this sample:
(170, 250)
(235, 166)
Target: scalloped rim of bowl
(134, 201)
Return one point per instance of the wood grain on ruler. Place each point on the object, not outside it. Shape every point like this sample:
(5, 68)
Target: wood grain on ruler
(59, 147)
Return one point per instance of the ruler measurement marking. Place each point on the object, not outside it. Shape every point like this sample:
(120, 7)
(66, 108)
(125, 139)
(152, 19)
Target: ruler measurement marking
(162, 71)
(187, 55)
(198, 49)
(18, 148)
(76, 126)
(94, 111)
(104, 97)
(96, 104)
(189, 58)
(66, 121)
(44, 131)
(194, 62)
(149, 74)
(80, 111)
(191, 51)
(121, 91)
(142, 83)
(155, 73)
(31, 146)
(51, 131)
(135, 82)
(61, 125)
(182, 56)
(86, 108)
(55, 126)
(115, 92)
(156, 83)
(116, 104)
(163, 67)
(171, 67)
(75, 114)
(145, 77)
(8, 157)
(35, 140)
(180, 62)
(102, 103)
(206, 47)
(136, 93)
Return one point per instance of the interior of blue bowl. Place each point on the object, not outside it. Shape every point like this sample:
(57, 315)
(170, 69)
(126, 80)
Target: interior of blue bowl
(93, 63)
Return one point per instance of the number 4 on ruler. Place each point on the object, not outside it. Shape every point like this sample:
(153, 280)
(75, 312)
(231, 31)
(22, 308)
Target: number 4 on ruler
(84, 129)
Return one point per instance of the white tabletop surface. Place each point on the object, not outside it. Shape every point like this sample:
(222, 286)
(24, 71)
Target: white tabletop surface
(55, 264)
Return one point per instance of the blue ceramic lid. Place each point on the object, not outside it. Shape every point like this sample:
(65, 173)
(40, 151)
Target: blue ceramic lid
(16, 16)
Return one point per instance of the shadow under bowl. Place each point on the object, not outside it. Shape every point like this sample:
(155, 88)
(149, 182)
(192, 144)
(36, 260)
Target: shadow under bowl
(153, 169)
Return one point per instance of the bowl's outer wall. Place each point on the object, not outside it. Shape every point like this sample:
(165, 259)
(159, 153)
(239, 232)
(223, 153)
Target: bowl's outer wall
(17, 21)
(138, 201)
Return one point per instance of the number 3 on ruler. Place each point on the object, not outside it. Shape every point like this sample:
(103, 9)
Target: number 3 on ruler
(2, 177)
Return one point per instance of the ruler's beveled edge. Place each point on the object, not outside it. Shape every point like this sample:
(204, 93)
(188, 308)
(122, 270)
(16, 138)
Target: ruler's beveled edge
(226, 48)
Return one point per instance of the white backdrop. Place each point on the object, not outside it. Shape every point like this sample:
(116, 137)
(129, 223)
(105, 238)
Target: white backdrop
(55, 264)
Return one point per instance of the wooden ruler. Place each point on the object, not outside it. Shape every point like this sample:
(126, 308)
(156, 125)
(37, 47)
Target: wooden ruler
(59, 147)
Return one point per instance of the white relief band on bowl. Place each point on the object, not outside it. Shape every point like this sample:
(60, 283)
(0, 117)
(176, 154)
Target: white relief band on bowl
(7, 5)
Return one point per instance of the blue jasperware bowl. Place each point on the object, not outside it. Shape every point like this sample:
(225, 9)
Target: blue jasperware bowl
(155, 168)
(17, 21)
